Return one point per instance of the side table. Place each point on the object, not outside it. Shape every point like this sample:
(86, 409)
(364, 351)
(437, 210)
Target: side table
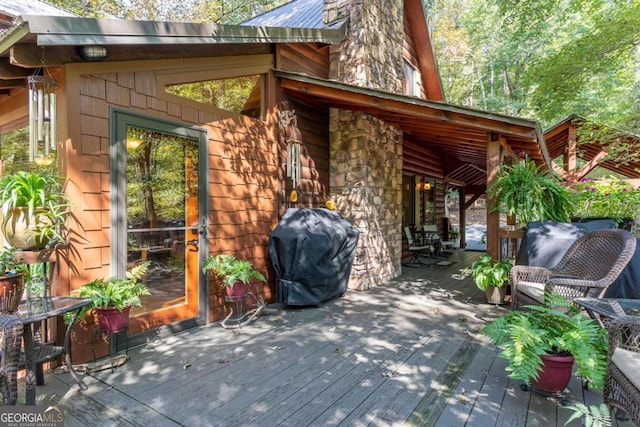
(36, 310)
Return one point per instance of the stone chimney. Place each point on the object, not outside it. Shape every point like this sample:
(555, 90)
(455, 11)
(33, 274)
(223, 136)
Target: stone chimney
(366, 153)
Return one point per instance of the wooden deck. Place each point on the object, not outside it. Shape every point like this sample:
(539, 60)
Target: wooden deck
(407, 353)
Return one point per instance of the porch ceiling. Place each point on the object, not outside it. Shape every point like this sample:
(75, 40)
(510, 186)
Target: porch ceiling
(457, 133)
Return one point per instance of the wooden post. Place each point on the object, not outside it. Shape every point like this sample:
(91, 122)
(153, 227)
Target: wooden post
(493, 216)
(570, 156)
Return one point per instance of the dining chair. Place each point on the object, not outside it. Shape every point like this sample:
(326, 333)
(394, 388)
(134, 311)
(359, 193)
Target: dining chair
(415, 250)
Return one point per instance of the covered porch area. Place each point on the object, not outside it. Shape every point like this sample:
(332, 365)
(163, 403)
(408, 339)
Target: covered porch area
(406, 353)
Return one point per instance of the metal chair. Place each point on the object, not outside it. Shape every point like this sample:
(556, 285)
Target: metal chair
(10, 343)
(415, 250)
(587, 269)
(434, 238)
(622, 382)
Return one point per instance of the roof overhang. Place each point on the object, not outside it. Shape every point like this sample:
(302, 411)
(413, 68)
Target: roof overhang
(77, 31)
(455, 131)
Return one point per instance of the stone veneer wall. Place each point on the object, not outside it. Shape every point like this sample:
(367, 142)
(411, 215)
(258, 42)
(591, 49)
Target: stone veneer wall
(366, 153)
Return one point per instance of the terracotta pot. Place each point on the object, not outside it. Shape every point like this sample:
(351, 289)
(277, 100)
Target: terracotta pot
(496, 295)
(23, 235)
(238, 291)
(555, 375)
(11, 289)
(111, 320)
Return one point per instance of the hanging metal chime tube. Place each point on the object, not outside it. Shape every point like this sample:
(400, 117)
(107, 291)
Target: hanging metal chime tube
(42, 117)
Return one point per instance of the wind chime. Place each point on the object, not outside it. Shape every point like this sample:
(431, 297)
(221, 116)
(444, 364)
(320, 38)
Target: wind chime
(292, 137)
(42, 119)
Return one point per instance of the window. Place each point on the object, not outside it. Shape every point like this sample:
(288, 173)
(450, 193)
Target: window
(241, 95)
(224, 86)
(412, 80)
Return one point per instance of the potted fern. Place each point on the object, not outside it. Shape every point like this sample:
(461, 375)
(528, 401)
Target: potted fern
(529, 193)
(236, 274)
(114, 297)
(492, 276)
(542, 343)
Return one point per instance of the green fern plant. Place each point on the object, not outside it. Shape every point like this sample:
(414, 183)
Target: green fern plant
(231, 270)
(116, 291)
(531, 194)
(558, 328)
(594, 415)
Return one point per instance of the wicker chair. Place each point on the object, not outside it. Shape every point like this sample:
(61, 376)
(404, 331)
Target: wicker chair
(622, 382)
(587, 269)
(10, 342)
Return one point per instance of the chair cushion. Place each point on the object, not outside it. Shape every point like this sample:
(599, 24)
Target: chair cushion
(532, 290)
(629, 364)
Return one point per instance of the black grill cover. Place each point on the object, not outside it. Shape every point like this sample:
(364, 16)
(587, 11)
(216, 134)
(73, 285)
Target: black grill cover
(312, 251)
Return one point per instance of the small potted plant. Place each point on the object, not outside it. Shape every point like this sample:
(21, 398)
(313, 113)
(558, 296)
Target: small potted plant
(492, 276)
(236, 274)
(13, 271)
(541, 344)
(114, 297)
(34, 209)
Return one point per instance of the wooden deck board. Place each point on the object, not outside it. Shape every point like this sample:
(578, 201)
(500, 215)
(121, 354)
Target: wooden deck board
(406, 353)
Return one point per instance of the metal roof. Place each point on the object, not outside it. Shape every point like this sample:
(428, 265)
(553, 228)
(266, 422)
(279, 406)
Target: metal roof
(16, 8)
(67, 31)
(295, 14)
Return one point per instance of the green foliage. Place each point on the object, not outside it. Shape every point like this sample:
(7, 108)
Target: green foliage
(594, 415)
(487, 271)
(557, 328)
(544, 59)
(231, 270)
(10, 263)
(529, 193)
(607, 198)
(40, 194)
(117, 291)
(220, 11)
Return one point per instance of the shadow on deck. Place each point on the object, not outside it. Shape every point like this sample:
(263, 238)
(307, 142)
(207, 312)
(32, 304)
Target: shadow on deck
(408, 353)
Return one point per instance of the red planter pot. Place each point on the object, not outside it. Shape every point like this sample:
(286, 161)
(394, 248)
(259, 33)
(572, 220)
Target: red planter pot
(111, 320)
(555, 375)
(238, 291)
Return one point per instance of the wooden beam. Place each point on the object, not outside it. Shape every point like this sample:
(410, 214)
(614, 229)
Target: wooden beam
(557, 169)
(473, 198)
(31, 56)
(7, 84)
(10, 72)
(588, 167)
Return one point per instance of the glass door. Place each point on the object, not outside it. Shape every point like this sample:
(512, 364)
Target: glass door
(162, 218)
